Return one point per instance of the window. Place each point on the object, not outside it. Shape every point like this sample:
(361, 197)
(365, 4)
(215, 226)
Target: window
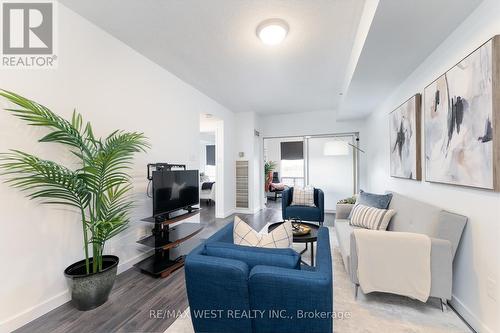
(292, 168)
(292, 172)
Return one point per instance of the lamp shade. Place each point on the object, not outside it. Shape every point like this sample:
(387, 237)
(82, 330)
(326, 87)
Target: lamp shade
(336, 148)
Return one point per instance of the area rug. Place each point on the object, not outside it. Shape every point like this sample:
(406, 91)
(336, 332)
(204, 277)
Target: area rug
(375, 312)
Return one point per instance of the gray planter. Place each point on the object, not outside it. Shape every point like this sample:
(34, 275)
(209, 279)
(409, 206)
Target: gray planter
(88, 291)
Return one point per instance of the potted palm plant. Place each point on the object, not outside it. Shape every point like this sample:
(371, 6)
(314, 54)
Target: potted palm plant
(98, 189)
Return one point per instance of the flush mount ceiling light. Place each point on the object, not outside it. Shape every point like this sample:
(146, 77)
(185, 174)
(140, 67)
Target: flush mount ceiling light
(272, 31)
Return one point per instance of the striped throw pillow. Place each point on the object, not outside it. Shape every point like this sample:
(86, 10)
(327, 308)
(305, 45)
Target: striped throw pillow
(303, 196)
(371, 217)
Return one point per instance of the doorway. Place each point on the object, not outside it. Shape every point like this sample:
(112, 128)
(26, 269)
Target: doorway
(211, 152)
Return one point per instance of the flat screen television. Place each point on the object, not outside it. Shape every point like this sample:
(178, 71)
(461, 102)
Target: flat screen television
(174, 190)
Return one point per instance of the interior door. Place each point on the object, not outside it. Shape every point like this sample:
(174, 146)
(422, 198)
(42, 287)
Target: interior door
(331, 167)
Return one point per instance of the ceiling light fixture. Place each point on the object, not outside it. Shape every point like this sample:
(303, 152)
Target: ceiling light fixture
(272, 31)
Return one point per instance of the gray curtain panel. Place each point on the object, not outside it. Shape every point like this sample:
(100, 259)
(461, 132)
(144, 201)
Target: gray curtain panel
(210, 154)
(293, 150)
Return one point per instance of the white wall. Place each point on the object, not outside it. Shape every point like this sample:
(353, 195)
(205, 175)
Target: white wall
(115, 88)
(476, 268)
(259, 165)
(206, 139)
(224, 132)
(251, 146)
(307, 123)
(203, 152)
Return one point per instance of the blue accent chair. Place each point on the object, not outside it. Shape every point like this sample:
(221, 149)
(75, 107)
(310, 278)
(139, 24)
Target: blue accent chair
(248, 295)
(305, 213)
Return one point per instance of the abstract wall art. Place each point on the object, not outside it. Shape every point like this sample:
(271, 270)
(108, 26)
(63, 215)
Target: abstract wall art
(462, 113)
(405, 140)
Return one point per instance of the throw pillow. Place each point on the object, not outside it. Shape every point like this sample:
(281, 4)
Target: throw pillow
(303, 196)
(277, 186)
(243, 234)
(371, 217)
(281, 237)
(380, 201)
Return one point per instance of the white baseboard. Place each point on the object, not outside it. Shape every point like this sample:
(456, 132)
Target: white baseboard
(468, 316)
(247, 210)
(228, 213)
(256, 210)
(22, 318)
(122, 267)
(18, 320)
(242, 211)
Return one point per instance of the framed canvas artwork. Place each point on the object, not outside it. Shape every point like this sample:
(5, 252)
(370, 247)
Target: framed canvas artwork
(405, 140)
(462, 115)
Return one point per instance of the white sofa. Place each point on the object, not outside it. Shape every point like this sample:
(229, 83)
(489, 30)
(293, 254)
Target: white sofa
(208, 195)
(444, 228)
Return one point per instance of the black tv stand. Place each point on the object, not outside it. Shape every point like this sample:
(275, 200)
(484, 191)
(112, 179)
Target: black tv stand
(164, 238)
(169, 216)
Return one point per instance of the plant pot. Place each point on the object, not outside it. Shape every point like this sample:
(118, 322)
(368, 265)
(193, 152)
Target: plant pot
(268, 180)
(88, 291)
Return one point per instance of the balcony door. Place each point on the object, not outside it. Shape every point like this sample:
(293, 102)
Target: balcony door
(331, 166)
(328, 162)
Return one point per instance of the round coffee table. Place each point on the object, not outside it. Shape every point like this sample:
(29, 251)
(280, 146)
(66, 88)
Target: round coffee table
(309, 238)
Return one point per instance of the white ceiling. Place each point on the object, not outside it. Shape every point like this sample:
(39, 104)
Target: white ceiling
(402, 35)
(211, 44)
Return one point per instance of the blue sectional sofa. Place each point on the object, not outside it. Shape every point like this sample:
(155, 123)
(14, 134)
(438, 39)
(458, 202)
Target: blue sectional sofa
(234, 288)
(305, 213)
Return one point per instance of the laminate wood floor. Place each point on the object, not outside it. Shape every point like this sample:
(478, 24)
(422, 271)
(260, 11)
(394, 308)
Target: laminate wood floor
(136, 296)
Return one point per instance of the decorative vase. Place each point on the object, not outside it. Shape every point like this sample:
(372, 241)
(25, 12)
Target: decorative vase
(88, 291)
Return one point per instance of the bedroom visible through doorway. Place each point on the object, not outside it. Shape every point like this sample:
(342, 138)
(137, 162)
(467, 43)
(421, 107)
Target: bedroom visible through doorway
(209, 147)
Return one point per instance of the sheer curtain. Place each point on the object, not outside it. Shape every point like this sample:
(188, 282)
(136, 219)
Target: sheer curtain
(331, 167)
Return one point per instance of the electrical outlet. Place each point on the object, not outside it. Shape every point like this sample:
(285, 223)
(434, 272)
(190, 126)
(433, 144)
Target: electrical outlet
(491, 288)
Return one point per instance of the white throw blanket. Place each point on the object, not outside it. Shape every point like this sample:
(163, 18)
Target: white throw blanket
(394, 262)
